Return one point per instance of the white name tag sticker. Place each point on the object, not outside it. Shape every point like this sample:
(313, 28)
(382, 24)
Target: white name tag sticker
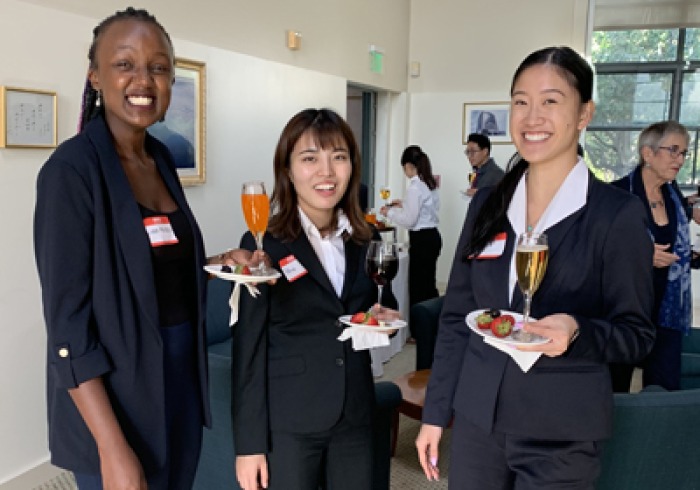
(159, 231)
(495, 248)
(292, 268)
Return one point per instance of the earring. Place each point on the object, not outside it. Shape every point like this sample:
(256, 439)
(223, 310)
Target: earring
(98, 102)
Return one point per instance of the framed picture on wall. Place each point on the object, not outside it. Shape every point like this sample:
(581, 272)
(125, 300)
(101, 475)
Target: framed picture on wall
(487, 118)
(28, 118)
(183, 129)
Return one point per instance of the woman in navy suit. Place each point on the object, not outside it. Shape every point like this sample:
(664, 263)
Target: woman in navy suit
(302, 400)
(120, 259)
(515, 427)
(663, 149)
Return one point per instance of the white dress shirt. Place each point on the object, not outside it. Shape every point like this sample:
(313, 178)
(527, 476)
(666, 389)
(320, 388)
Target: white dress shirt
(570, 197)
(419, 209)
(330, 250)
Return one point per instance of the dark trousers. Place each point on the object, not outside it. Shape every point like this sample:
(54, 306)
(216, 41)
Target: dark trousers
(663, 364)
(337, 459)
(661, 367)
(183, 411)
(497, 461)
(423, 253)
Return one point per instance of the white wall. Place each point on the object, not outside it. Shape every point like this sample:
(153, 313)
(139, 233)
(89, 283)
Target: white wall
(336, 34)
(468, 52)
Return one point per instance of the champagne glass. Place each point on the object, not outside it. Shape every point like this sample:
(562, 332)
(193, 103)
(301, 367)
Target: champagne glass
(385, 193)
(382, 263)
(531, 256)
(256, 210)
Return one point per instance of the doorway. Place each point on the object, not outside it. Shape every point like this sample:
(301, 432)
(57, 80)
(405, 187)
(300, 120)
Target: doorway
(361, 115)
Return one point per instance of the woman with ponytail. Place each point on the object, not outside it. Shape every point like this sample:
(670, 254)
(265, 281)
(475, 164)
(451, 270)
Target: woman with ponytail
(418, 211)
(533, 416)
(120, 259)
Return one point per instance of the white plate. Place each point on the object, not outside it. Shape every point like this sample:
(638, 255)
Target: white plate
(242, 278)
(388, 327)
(509, 340)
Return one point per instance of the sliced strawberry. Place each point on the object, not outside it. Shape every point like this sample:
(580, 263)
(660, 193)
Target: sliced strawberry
(242, 269)
(502, 326)
(359, 317)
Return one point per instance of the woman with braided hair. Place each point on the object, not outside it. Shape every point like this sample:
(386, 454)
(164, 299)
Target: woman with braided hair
(120, 260)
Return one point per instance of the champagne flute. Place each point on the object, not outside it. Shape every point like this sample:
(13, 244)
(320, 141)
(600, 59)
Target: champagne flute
(382, 263)
(256, 210)
(531, 256)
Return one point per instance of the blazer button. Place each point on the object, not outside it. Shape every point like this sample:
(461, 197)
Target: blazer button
(338, 324)
(63, 352)
(339, 362)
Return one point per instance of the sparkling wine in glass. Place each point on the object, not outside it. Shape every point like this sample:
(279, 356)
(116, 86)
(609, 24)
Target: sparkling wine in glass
(382, 263)
(256, 210)
(531, 256)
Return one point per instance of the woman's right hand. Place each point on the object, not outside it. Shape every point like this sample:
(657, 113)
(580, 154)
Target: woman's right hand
(251, 471)
(121, 470)
(662, 258)
(427, 444)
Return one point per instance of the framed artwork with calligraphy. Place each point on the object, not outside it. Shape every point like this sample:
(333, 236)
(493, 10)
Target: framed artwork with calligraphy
(28, 118)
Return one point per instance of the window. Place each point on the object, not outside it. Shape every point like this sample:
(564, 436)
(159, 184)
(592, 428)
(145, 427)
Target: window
(643, 76)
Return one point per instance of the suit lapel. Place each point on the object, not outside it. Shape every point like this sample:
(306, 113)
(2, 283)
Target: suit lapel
(128, 223)
(303, 251)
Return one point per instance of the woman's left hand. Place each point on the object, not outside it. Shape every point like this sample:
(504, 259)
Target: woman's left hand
(561, 329)
(385, 315)
(240, 256)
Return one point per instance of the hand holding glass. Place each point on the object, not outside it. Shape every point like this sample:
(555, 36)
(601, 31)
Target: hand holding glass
(531, 256)
(256, 210)
(382, 263)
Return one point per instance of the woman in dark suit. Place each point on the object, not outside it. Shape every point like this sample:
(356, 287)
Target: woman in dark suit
(120, 259)
(663, 148)
(302, 400)
(540, 428)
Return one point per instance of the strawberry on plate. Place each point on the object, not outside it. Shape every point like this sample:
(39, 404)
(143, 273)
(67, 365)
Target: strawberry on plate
(502, 326)
(359, 317)
(371, 321)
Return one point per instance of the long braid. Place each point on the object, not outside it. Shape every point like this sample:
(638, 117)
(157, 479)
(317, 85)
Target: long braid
(90, 107)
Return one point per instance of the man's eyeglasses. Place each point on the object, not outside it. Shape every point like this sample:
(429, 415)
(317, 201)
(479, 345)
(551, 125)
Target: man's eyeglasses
(472, 152)
(674, 151)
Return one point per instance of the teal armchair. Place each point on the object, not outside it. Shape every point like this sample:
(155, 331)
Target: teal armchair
(656, 434)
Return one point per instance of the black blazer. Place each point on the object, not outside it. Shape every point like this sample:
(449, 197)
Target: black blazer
(600, 273)
(98, 291)
(290, 372)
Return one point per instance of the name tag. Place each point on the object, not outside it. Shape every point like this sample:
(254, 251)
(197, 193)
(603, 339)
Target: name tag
(292, 268)
(495, 248)
(159, 231)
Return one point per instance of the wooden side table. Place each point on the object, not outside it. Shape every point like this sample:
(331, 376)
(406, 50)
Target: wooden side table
(412, 386)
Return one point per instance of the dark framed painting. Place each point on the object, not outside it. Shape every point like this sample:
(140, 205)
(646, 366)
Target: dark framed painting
(182, 131)
(487, 118)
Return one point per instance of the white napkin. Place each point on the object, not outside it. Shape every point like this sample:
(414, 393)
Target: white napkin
(363, 338)
(523, 359)
(236, 296)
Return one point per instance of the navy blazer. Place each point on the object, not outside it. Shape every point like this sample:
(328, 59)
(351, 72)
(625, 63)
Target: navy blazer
(290, 371)
(599, 272)
(94, 261)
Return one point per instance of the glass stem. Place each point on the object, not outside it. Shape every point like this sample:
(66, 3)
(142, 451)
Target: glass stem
(379, 296)
(526, 309)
